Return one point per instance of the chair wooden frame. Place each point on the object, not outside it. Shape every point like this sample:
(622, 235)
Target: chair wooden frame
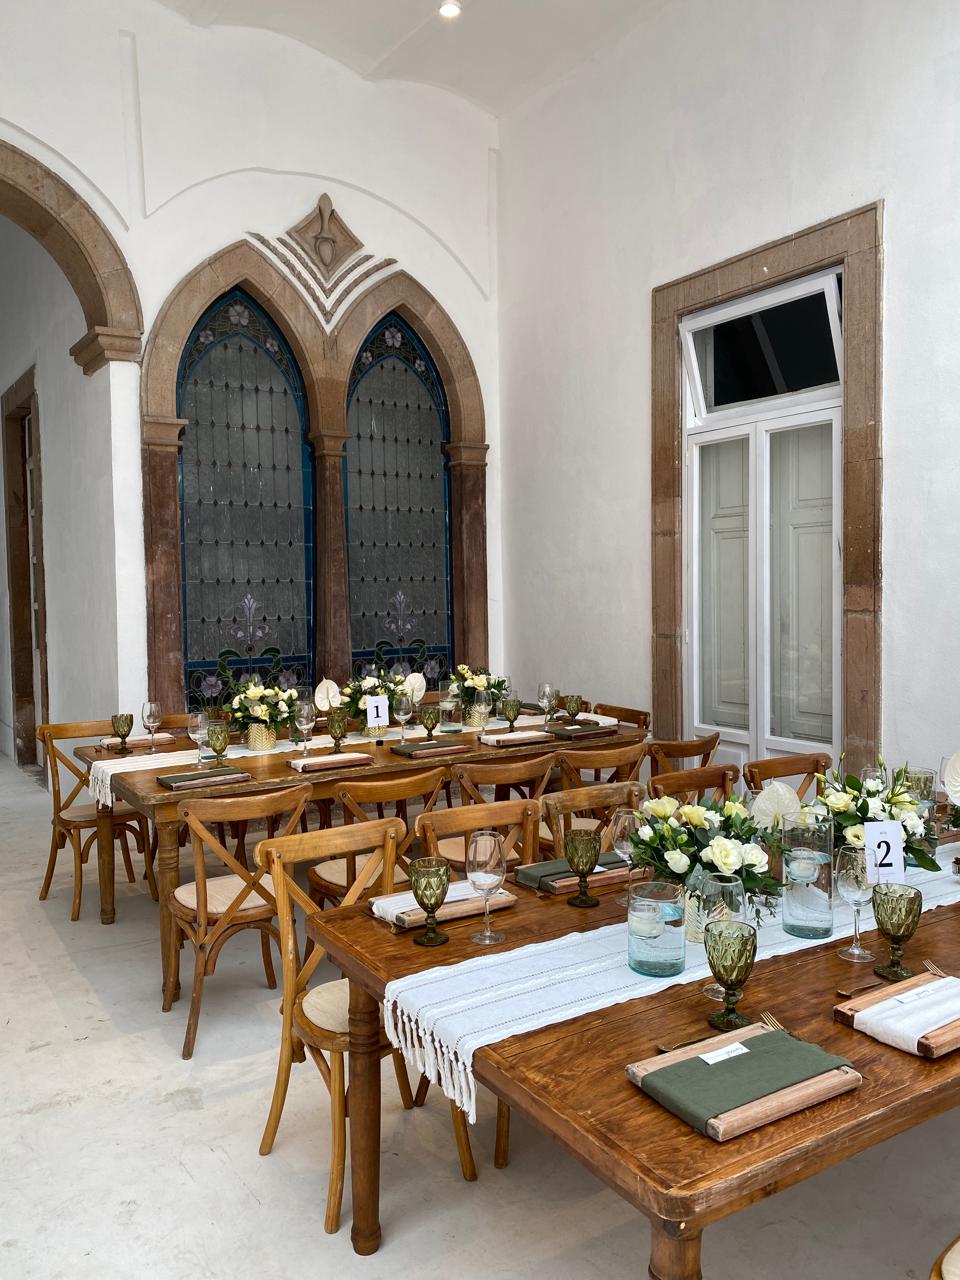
(936, 1272)
(689, 786)
(757, 772)
(625, 761)
(665, 756)
(625, 715)
(206, 930)
(71, 828)
(600, 801)
(530, 778)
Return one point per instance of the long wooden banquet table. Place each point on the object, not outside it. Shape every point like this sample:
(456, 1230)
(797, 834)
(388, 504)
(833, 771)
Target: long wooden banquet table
(268, 772)
(568, 1078)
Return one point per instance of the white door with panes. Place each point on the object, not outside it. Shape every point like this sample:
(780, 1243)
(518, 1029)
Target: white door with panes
(763, 569)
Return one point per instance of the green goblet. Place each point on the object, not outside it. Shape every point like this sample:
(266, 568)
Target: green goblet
(218, 738)
(582, 850)
(511, 711)
(573, 706)
(731, 951)
(896, 908)
(122, 724)
(430, 718)
(429, 879)
(337, 720)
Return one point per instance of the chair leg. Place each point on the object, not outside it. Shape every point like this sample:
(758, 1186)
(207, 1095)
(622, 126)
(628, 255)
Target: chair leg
(125, 850)
(467, 1166)
(338, 1144)
(423, 1088)
(199, 973)
(279, 1095)
(403, 1080)
(268, 972)
(51, 863)
(501, 1150)
(174, 942)
(77, 874)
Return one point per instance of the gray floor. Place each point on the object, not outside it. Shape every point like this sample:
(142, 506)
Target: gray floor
(118, 1159)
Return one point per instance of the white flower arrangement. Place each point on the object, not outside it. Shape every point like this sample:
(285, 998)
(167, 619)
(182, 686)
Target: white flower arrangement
(852, 802)
(255, 703)
(375, 684)
(470, 680)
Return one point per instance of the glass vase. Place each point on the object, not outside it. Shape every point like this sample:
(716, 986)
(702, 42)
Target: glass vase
(692, 906)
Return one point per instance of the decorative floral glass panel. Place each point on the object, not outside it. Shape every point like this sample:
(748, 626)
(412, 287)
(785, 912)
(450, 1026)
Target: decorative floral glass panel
(246, 477)
(397, 504)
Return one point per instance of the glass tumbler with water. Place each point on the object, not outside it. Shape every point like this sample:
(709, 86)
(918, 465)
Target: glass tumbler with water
(808, 876)
(655, 934)
(451, 714)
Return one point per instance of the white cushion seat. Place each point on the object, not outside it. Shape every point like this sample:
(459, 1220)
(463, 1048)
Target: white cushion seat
(327, 1006)
(455, 851)
(221, 891)
(334, 871)
(950, 1262)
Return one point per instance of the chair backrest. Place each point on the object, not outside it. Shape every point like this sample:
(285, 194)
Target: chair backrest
(175, 720)
(624, 761)
(200, 815)
(668, 757)
(426, 785)
(518, 820)
(626, 715)
(757, 772)
(528, 778)
(600, 802)
(689, 786)
(279, 857)
(48, 735)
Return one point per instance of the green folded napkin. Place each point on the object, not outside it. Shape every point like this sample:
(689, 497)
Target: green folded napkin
(540, 873)
(202, 778)
(697, 1091)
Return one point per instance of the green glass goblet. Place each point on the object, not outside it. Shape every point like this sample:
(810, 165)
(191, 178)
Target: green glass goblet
(218, 738)
(429, 879)
(430, 718)
(122, 724)
(337, 720)
(511, 711)
(582, 850)
(731, 951)
(896, 908)
(573, 706)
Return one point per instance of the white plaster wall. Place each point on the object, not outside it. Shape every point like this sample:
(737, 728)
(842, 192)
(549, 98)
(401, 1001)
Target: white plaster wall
(39, 318)
(709, 130)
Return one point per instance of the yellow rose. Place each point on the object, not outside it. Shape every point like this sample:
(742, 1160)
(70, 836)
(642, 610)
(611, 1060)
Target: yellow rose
(694, 815)
(665, 807)
(734, 809)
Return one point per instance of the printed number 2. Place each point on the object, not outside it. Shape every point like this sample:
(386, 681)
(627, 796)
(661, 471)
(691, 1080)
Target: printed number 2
(883, 849)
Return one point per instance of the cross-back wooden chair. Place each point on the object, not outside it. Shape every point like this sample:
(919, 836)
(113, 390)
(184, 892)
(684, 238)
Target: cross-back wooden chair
(317, 1018)
(668, 757)
(758, 772)
(625, 715)
(528, 778)
(623, 762)
(589, 807)
(518, 821)
(689, 786)
(210, 910)
(77, 822)
(330, 879)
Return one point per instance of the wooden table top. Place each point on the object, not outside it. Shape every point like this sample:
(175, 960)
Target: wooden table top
(569, 1078)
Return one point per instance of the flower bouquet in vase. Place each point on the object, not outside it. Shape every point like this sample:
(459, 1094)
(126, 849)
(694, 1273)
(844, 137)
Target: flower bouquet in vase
(467, 683)
(261, 711)
(853, 801)
(377, 683)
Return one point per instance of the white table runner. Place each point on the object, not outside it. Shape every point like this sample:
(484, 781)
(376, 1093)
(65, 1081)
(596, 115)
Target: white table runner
(438, 1019)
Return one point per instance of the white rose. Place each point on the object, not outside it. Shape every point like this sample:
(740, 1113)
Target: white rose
(875, 808)
(913, 824)
(855, 835)
(711, 817)
(369, 682)
(873, 785)
(363, 703)
(480, 682)
(236, 702)
(838, 801)
(725, 854)
(679, 863)
(645, 833)
(471, 683)
(755, 857)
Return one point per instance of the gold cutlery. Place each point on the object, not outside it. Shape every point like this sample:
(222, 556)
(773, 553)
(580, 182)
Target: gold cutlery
(934, 969)
(772, 1022)
(682, 1044)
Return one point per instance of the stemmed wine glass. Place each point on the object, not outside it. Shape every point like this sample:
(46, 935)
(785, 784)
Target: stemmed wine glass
(573, 705)
(510, 707)
(731, 948)
(402, 711)
(429, 881)
(582, 851)
(122, 723)
(547, 698)
(850, 878)
(151, 716)
(218, 738)
(337, 721)
(305, 716)
(197, 723)
(896, 908)
(624, 824)
(486, 868)
(430, 718)
(721, 898)
(482, 706)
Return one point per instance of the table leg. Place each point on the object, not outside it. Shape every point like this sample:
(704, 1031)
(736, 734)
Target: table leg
(674, 1256)
(168, 877)
(105, 864)
(365, 1119)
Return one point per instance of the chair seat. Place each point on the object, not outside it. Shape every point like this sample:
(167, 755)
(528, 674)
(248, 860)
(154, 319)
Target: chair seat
(454, 850)
(333, 872)
(85, 815)
(327, 1006)
(221, 891)
(950, 1262)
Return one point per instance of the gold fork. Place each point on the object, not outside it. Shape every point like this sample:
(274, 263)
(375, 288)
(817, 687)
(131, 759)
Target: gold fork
(772, 1022)
(934, 969)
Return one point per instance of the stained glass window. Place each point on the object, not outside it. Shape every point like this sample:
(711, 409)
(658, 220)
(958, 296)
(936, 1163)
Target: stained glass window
(397, 491)
(246, 476)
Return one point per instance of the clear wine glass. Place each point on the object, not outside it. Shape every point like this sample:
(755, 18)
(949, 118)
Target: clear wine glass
(850, 879)
(721, 898)
(305, 717)
(197, 723)
(874, 773)
(151, 716)
(482, 706)
(623, 825)
(402, 711)
(547, 698)
(486, 868)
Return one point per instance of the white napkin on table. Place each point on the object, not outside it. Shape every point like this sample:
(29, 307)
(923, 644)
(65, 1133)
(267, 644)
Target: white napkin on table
(903, 1019)
(521, 735)
(161, 739)
(391, 905)
(313, 763)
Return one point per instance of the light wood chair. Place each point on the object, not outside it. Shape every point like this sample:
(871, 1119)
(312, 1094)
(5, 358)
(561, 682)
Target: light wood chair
(625, 715)
(669, 757)
(317, 1018)
(210, 910)
(77, 823)
(623, 764)
(590, 807)
(947, 1266)
(689, 786)
(528, 778)
(757, 772)
(332, 877)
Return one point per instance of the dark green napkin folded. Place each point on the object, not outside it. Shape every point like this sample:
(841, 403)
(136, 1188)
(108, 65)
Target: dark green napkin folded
(202, 778)
(696, 1091)
(540, 873)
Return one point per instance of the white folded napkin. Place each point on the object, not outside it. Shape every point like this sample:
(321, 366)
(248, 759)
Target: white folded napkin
(161, 739)
(313, 763)
(392, 905)
(519, 735)
(905, 1018)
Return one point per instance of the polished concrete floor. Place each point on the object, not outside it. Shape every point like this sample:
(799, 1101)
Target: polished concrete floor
(118, 1159)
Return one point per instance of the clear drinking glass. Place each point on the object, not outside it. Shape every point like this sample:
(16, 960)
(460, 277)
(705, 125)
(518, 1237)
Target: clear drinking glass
(808, 876)
(305, 716)
(655, 934)
(197, 723)
(874, 773)
(623, 825)
(547, 698)
(451, 713)
(850, 878)
(722, 897)
(151, 716)
(482, 706)
(486, 867)
(402, 711)
(923, 784)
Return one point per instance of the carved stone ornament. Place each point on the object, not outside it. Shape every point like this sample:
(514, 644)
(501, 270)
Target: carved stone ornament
(326, 238)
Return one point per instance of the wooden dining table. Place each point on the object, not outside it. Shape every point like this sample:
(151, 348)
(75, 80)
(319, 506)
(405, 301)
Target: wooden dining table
(268, 772)
(568, 1078)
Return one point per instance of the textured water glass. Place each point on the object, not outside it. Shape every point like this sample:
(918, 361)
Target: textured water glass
(151, 716)
(808, 876)
(731, 947)
(722, 897)
(573, 705)
(337, 720)
(122, 724)
(218, 738)
(896, 908)
(430, 718)
(582, 851)
(875, 775)
(429, 881)
(486, 867)
(511, 708)
(656, 940)
(923, 784)
(850, 879)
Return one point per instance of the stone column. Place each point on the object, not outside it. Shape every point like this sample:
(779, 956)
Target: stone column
(468, 537)
(161, 527)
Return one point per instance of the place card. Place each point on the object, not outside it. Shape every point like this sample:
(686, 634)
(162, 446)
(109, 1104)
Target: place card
(721, 1055)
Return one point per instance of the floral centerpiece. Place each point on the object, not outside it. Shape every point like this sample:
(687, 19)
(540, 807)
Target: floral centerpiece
(261, 710)
(375, 684)
(851, 802)
(468, 682)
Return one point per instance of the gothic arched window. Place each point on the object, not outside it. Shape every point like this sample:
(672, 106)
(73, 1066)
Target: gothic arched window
(397, 500)
(246, 499)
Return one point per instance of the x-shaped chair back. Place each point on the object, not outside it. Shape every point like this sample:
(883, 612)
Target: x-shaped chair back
(757, 772)
(668, 757)
(625, 763)
(517, 820)
(528, 777)
(689, 786)
(49, 735)
(425, 786)
(600, 802)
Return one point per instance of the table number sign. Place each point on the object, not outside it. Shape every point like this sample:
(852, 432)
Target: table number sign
(378, 711)
(884, 852)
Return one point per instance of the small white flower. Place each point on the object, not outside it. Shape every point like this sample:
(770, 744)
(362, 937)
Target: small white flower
(645, 833)
(369, 682)
(875, 808)
(838, 801)
(912, 823)
(711, 818)
(725, 854)
(679, 863)
(755, 857)
(873, 785)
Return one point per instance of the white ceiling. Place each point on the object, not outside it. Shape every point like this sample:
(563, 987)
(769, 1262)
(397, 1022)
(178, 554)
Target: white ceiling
(496, 54)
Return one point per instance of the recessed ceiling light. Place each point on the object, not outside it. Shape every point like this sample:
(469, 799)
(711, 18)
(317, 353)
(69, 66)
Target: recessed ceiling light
(450, 9)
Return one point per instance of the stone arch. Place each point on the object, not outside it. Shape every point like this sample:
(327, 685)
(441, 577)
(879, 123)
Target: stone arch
(59, 219)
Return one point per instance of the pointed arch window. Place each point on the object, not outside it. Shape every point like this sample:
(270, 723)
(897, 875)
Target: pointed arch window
(246, 500)
(397, 503)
